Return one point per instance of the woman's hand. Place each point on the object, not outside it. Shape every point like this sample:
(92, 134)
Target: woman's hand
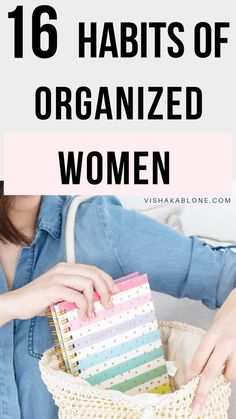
(74, 283)
(216, 352)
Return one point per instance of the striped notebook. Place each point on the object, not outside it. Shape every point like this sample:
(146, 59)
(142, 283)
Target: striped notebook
(120, 349)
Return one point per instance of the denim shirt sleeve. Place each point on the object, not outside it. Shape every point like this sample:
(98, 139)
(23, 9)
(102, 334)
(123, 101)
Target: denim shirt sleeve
(176, 264)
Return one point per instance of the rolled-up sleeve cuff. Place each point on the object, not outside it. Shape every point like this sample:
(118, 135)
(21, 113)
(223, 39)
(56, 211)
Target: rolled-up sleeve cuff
(227, 280)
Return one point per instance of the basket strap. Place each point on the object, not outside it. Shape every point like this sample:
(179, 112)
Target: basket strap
(70, 226)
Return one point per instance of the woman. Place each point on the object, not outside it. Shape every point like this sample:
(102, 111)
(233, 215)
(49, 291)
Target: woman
(110, 242)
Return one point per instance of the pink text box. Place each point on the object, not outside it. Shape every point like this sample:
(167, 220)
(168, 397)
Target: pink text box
(199, 163)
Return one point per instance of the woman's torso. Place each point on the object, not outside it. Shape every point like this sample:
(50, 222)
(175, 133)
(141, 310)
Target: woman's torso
(22, 343)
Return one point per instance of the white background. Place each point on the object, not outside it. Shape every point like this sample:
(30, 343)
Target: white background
(20, 78)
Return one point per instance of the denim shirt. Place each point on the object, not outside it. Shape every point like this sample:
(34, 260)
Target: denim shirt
(118, 241)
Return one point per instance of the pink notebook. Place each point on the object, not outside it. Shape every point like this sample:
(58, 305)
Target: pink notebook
(120, 349)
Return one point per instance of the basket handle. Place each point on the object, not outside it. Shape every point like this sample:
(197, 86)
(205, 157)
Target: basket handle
(70, 226)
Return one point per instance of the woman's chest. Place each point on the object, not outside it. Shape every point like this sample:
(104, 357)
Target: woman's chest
(9, 255)
(20, 265)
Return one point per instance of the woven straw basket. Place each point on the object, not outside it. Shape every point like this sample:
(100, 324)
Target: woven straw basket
(77, 399)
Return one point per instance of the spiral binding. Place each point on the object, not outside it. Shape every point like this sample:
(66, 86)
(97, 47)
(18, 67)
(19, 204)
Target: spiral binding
(57, 346)
(73, 366)
(56, 322)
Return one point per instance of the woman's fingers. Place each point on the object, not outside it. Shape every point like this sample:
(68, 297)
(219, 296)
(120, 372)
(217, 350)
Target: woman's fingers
(208, 361)
(109, 281)
(230, 372)
(89, 295)
(88, 271)
(86, 285)
(81, 284)
(201, 356)
(216, 352)
(72, 296)
(210, 373)
(102, 289)
(103, 283)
